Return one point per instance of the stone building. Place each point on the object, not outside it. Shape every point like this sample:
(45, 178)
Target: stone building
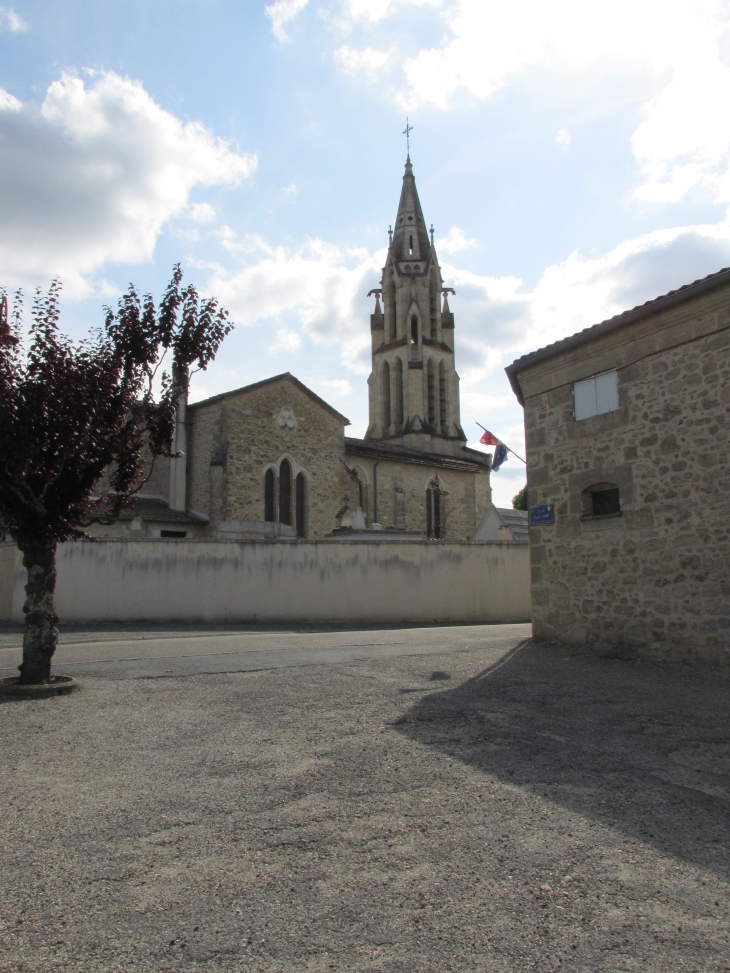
(627, 475)
(272, 459)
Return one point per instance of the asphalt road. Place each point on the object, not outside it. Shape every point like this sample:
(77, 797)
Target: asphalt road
(121, 652)
(484, 806)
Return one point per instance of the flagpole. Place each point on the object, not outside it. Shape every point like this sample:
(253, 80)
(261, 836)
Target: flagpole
(506, 447)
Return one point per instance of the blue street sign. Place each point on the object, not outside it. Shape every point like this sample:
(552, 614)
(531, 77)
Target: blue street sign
(542, 515)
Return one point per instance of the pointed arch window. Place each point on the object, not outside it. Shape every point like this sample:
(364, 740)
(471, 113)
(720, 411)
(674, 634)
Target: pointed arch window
(432, 303)
(431, 394)
(398, 392)
(414, 329)
(269, 488)
(410, 245)
(386, 396)
(301, 486)
(442, 398)
(391, 309)
(285, 492)
(435, 510)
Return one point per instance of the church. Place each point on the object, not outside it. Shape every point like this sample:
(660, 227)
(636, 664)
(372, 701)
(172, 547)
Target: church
(271, 460)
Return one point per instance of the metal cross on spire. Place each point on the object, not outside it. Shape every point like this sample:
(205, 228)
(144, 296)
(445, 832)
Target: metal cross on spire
(407, 132)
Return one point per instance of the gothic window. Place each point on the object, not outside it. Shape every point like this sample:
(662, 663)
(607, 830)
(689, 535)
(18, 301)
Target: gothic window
(442, 398)
(399, 392)
(386, 397)
(414, 329)
(431, 398)
(435, 510)
(269, 484)
(300, 490)
(285, 492)
(410, 245)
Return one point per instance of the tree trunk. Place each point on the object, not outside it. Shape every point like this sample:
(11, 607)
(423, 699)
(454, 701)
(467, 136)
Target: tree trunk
(41, 634)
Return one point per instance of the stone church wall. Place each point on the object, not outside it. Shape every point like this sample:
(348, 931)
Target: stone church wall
(246, 581)
(655, 578)
(402, 494)
(248, 423)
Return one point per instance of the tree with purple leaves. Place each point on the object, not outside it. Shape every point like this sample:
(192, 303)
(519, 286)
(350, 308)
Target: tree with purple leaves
(71, 412)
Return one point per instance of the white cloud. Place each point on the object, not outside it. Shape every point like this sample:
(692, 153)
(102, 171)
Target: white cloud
(368, 62)
(94, 175)
(671, 58)
(12, 21)
(286, 340)
(373, 11)
(498, 321)
(340, 387)
(454, 241)
(282, 13)
(318, 290)
(8, 102)
(202, 213)
(319, 287)
(290, 190)
(488, 42)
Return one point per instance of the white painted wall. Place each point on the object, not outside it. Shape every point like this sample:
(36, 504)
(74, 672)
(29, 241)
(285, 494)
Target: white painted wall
(162, 580)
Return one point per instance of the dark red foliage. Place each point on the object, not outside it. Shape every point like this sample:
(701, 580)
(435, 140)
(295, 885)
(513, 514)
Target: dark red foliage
(68, 412)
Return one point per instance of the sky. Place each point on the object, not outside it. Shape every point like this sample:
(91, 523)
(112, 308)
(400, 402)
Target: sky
(573, 157)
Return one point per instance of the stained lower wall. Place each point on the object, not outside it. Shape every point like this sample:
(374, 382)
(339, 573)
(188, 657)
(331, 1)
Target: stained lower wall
(151, 580)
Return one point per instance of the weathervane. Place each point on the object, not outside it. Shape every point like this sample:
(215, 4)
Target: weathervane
(407, 132)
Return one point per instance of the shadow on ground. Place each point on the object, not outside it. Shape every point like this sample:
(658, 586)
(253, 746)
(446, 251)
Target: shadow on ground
(639, 747)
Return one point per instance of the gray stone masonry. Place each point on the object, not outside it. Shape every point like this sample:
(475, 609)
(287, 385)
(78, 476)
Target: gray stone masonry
(655, 577)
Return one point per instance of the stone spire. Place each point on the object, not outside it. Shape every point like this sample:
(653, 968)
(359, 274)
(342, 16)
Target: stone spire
(410, 237)
(414, 387)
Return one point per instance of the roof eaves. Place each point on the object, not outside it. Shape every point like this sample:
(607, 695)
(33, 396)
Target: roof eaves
(403, 454)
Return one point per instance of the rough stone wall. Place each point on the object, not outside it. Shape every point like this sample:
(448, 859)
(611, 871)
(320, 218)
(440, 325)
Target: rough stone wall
(206, 432)
(248, 422)
(462, 510)
(656, 577)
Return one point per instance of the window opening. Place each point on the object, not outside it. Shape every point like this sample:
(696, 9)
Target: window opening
(399, 392)
(442, 397)
(414, 329)
(596, 395)
(431, 396)
(434, 510)
(300, 488)
(410, 245)
(269, 496)
(386, 396)
(605, 502)
(391, 304)
(432, 308)
(285, 492)
(173, 533)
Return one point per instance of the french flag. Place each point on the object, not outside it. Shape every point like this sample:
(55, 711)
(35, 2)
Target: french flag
(500, 452)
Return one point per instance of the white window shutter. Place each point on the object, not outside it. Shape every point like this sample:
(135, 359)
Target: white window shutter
(606, 393)
(585, 399)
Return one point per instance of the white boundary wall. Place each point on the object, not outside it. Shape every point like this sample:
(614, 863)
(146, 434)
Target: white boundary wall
(247, 581)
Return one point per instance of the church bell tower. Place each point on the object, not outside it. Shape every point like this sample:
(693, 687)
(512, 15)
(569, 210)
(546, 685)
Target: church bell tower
(413, 385)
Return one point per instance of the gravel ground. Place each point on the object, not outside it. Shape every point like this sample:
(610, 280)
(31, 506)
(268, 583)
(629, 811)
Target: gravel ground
(469, 811)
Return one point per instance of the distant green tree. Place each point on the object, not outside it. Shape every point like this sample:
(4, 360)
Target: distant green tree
(519, 500)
